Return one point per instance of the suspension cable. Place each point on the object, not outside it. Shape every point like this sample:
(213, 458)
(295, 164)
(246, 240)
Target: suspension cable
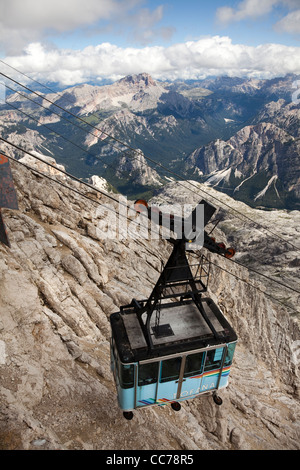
(70, 188)
(60, 135)
(115, 200)
(250, 284)
(139, 152)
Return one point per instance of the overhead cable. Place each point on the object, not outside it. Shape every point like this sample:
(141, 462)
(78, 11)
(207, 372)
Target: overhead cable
(139, 152)
(115, 200)
(95, 189)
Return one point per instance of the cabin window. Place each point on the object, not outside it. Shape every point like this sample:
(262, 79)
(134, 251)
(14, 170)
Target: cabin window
(213, 359)
(126, 375)
(229, 355)
(170, 369)
(193, 364)
(148, 373)
(113, 348)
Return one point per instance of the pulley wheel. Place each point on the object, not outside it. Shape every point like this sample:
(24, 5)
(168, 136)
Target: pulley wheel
(218, 400)
(176, 406)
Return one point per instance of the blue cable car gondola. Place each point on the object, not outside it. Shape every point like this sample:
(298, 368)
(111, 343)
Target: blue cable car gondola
(177, 344)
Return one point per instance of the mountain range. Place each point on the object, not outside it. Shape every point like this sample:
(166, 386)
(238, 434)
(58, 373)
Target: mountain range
(238, 135)
(260, 163)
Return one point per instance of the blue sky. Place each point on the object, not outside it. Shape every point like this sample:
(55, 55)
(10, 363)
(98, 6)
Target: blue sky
(73, 41)
(184, 21)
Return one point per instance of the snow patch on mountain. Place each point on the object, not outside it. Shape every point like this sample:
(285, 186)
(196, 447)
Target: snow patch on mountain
(244, 181)
(99, 183)
(263, 192)
(219, 176)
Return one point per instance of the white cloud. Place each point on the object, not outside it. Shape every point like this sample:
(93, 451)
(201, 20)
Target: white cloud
(59, 15)
(245, 9)
(194, 59)
(253, 9)
(144, 25)
(26, 21)
(290, 23)
(292, 4)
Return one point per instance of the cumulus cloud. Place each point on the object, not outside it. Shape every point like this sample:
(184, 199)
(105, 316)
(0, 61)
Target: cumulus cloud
(253, 9)
(144, 25)
(59, 15)
(26, 21)
(190, 60)
(290, 23)
(245, 9)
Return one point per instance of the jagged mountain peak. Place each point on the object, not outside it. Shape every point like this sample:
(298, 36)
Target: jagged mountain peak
(137, 92)
(263, 130)
(141, 79)
(135, 167)
(258, 165)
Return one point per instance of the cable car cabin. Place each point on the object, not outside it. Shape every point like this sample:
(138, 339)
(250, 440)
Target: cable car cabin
(188, 359)
(177, 344)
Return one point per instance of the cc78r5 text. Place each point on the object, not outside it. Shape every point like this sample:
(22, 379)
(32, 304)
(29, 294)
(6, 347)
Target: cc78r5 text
(167, 459)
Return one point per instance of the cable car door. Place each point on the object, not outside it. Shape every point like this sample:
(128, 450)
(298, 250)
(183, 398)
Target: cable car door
(147, 383)
(191, 377)
(181, 377)
(212, 369)
(169, 380)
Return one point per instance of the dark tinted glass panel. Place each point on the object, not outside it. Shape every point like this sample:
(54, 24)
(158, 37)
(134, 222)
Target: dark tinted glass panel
(193, 364)
(114, 349)
(126, 375)
(213, 359)
(148, 373)
(170, 369)
(229, 355)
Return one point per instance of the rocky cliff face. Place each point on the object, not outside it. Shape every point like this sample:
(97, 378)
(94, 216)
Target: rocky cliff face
(259, 164)
(60, 281)
(285, 115)
(136, 169)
